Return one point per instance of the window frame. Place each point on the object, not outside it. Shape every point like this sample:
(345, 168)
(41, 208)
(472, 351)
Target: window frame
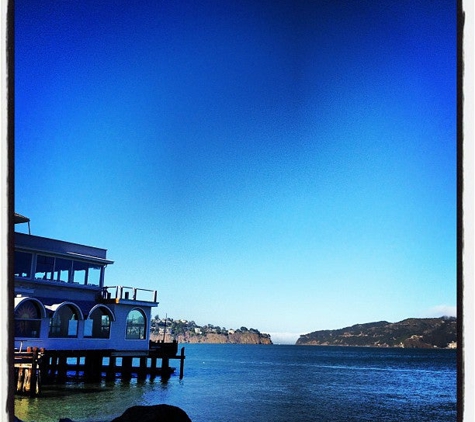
(98, 325)
(25, 326)
(68, 328)
(130, 326)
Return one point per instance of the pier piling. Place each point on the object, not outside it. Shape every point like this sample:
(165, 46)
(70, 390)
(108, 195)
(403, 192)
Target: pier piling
(182, 362)
(27, 371)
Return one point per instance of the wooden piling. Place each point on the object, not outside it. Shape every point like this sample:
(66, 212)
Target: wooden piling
(153, 370)
(182, 362)
(34, 373)
(142, 370)
(20, 378)
(62, 368)
(93, 366)
(111, 369)
(126, 367)
(27, 371)
(52, 367)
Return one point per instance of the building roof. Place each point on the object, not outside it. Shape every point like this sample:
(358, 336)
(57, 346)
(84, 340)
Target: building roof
(21, 219)
(61, 248)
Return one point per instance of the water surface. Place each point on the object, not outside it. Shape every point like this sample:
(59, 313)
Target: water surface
(233, 383)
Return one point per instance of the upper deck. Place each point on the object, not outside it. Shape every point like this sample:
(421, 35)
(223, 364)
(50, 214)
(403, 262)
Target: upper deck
(42, 259)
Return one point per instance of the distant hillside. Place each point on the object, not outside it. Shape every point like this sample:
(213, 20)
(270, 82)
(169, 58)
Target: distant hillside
(234, 338)
(189, 332)
(409, 333)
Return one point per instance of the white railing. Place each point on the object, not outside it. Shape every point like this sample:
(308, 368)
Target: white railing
(129, 293)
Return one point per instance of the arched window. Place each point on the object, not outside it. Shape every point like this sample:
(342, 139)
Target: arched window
(27, 319)
(98, 324)
(135, 327)
(64, 322)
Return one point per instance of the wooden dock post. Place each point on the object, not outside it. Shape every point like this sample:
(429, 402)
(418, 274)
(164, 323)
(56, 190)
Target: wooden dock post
(19, 384)
(126, 367)
(110, 373)
(93, 366)
(53, 365)
(153, 367)
(142, 370)
(62, 368)
(182, 362)
(165, 370)
(26, 387)
(34, 386)
(27, 366)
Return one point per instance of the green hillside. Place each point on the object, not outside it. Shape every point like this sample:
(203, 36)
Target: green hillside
(409, 333)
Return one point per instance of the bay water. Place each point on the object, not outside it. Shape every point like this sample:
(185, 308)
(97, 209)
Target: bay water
(234, 383)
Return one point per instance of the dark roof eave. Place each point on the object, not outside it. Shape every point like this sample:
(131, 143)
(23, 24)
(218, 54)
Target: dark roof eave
(79, 256)
(19, 219)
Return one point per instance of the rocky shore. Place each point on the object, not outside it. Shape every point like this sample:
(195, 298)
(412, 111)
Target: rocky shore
(214, 338)
(155, 413)
(183, 331)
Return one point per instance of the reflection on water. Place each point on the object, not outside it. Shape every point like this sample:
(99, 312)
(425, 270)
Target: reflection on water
(86, 402)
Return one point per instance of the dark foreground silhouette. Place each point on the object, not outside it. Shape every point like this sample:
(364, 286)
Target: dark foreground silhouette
(155, 413)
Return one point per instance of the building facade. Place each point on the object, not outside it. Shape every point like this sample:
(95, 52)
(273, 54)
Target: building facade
(61, 301)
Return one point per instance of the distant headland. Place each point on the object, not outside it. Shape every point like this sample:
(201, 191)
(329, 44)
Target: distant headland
(185, 331)
(410, 333)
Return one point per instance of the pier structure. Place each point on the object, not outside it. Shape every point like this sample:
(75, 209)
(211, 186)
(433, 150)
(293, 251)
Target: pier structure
(36, 367)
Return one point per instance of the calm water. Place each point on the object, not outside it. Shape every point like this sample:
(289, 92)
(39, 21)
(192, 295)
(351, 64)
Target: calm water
(234, 383)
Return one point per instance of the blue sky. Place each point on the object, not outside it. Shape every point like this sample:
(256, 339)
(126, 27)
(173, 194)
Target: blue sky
(283, 165)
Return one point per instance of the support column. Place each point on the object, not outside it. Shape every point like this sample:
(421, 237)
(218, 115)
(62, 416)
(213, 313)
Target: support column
(153, 367)
(142, 371)
(165, 370)
(182, 362)
(93, 366)
(111, 369)
(20, 377)
(62, 367)
(127, 367)
(34, 388)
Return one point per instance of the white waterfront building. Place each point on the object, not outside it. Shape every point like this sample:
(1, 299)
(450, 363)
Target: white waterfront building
(62, 303)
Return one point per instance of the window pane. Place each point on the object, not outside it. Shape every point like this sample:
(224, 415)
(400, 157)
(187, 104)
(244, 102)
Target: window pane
(93, 275)
(135, 325)
(27, 320)
(79, 272)
(72, 328)
(44, 267)
(27, 328)
(23, 264)
(88, 328)
(27, 310)
(105, 326)
(62, 268)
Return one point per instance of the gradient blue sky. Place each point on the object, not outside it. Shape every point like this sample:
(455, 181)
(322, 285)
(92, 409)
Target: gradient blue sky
(283, 165)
